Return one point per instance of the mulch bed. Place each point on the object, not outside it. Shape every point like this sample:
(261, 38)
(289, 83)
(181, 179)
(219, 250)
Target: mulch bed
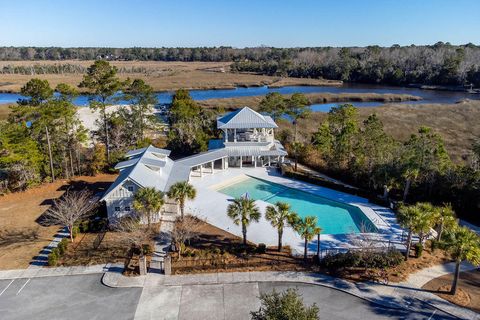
(468, 290)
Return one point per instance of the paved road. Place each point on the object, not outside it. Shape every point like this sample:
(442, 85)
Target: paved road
(68, 297)
(84, 297)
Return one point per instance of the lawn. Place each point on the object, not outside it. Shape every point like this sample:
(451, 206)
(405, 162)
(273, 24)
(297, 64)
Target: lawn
(21, 236)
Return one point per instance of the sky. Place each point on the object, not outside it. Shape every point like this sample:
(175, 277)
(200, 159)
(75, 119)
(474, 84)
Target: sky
(246, 23)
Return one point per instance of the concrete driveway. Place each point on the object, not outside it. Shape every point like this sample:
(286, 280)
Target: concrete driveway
(69, 297)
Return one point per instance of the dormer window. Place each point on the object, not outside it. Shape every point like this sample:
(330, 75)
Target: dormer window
(130, 188)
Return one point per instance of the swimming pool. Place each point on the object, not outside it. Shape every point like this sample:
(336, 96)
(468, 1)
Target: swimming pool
(333, 217)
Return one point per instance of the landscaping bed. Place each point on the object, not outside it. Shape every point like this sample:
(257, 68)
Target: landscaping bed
(468, 291)
(215, 250)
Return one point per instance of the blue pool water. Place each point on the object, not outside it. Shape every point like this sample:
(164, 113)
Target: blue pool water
(333, 217)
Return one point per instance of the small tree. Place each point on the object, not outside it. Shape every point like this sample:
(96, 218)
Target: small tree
(148, 202)
(298, 149)
(70, 208)
(180, 192)
(464, 245)
(445, 219)
(280, 215)
(285, 305)
(185, 229)
(307, 229)
(243, 211)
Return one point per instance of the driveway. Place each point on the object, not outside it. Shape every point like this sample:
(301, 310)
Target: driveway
(68, 297)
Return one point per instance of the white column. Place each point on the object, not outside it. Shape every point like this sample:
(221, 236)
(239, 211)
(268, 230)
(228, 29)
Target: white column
(201, 170)
(241, 162)
(255, 162)
(211, 163)
(234, 135)
(269, 161)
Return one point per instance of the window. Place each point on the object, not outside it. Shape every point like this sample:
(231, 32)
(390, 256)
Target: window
(127, 208)
(117, 208)
(130, 188)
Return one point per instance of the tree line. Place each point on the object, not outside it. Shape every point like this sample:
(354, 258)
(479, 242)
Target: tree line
(363, 154)
(44, 140)
(438, 64)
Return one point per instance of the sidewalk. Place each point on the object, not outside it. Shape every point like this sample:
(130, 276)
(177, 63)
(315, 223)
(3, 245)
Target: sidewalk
(400, 295)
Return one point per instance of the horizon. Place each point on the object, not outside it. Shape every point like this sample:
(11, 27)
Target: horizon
(150, 24)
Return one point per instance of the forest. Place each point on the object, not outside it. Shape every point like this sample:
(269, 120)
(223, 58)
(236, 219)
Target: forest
(441, 64)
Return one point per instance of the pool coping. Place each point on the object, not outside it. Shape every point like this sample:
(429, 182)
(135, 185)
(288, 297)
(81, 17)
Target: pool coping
(383, 218)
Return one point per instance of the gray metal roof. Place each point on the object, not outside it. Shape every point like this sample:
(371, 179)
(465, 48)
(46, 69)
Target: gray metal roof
(203, 157)
(245, 118)
(152, 149)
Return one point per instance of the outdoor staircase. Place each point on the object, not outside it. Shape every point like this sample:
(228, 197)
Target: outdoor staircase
(162, 244)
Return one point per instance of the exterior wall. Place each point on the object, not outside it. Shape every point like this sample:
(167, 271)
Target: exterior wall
(121, 198)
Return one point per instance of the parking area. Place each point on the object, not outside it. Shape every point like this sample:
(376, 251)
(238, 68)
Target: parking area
(68, 297)
(85, 297)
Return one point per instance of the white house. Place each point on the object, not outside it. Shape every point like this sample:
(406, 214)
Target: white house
(248, 140)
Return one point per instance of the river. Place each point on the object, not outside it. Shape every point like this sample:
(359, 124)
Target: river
(428, 96)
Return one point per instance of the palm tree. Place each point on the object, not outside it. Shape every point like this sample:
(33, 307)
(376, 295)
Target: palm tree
(280, 215)
(148, 201)
(243, 211)
(307, 229)
(463, 244)
(407, 218)
(180, 192)
(425, 219)
(445, 218)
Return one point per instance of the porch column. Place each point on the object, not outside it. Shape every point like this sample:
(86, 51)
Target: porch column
(269, 160)
(201, 171)
(223, 164)
(241, 160)
(211, 164)
(235, 135)
(283, 159)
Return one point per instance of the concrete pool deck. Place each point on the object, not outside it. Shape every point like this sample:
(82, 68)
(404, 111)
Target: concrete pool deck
(211, 205)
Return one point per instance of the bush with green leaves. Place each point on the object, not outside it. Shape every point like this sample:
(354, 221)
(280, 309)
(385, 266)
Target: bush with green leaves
(261, 248)
(285, 305)
(359, 259)
(62, 246)
(418, 250)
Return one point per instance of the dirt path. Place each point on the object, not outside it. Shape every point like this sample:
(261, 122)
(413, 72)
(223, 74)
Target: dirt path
(21, 236)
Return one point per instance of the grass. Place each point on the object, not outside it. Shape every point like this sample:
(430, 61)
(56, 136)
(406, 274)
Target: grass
(160, 75)
(21, 236)
(314, 98)
(4, 111)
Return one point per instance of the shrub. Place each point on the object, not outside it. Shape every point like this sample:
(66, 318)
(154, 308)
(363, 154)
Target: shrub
(418, 250)
(83, 226)
(261, 248)
(52, 260)
(75, 231)
(371, 259)
(62, 246)
(286, 305)
(147, 249)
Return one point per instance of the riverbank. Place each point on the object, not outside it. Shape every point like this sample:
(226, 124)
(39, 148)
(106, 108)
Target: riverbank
(313, 98)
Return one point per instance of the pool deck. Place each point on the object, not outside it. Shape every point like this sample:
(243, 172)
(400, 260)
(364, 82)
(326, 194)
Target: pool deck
(211, 205)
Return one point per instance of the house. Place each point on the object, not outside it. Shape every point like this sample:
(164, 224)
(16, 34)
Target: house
(247, 140)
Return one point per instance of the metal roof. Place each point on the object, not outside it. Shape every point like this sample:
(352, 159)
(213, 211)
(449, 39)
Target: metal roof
(245, 118)
(204, 157)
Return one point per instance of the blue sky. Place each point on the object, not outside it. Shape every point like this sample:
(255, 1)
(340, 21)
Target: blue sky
(121, 23)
